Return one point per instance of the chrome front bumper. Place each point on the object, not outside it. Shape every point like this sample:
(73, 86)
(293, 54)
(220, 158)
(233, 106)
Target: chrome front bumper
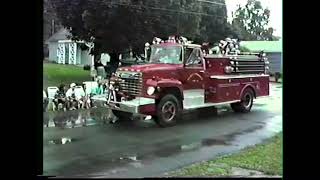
(131, 106)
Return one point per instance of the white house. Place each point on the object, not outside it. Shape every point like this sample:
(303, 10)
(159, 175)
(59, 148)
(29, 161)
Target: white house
(65, 51)
(273, 49)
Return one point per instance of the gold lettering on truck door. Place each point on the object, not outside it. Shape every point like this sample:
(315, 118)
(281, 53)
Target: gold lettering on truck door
(194, 74)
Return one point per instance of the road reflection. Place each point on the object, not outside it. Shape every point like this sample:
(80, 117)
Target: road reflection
(77, 118)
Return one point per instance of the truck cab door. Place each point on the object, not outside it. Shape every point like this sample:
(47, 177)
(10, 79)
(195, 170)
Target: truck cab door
(193, 74)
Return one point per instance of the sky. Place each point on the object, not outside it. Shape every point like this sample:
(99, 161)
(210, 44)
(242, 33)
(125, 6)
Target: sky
(275, 7)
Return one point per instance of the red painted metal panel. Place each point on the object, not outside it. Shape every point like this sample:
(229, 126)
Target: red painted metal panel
(149, 109)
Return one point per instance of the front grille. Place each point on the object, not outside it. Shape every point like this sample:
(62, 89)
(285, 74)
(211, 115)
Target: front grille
(131, 85)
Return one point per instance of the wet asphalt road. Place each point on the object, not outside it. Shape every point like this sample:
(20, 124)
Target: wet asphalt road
(83, 143)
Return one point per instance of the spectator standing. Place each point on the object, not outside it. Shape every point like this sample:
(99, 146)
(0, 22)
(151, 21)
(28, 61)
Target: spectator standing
(86, 98)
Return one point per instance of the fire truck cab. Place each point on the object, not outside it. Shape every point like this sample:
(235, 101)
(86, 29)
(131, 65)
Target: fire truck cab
(179, 76)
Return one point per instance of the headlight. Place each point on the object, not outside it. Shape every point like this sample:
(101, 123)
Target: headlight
(228, 69)
(264, 54)
(150, 90)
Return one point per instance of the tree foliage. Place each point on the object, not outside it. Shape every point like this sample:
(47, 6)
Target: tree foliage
(215, 27)
(251, 22)
(49, 14)
(120, 24)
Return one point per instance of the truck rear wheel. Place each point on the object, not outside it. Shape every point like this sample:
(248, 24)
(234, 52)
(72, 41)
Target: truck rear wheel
(244, 106)
(122, 115)
(168, 111)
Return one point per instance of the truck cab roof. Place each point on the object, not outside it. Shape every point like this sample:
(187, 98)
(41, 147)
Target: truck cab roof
(192, 45)
(165, 44)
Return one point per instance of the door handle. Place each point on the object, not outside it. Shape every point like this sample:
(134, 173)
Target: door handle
(202, 71)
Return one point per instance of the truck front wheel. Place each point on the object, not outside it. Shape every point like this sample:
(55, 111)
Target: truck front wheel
(122, 115)
(246, 102)
(168, 111)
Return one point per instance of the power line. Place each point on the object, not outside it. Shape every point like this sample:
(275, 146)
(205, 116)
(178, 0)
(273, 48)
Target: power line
(211, 2)
(171, 10)
(164, 9)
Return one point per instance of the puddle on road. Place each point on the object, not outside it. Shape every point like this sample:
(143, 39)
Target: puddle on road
(61, 141)
(259, 104)
(76, 118)
(190, 147)
(117, 165)
(222, 140)
(141, 160)
(129, 158)
(118, 170)
(168, 151)
(252, 129)
(136, 164)
(211, 142)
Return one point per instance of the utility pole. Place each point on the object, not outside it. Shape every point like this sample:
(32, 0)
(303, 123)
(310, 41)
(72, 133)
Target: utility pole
(178, 23)
(52, 27)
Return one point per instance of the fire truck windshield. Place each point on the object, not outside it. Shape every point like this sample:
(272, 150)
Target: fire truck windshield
(165, 54)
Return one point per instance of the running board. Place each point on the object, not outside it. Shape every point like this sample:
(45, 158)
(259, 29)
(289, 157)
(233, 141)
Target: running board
(194, 99)
(209, 105)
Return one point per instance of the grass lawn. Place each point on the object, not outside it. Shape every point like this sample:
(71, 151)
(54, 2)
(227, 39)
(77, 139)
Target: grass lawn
(266, 158)
(56, 74)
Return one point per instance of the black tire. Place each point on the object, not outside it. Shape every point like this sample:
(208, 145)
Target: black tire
(245, 105)
(122, 115)
(171, 116)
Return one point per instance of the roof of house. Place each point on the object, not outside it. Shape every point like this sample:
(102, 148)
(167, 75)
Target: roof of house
(266, 46)
(60, 35)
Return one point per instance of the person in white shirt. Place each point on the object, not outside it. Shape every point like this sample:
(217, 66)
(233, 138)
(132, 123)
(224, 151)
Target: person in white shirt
(86, 97)
(80, 96)
(71, 96)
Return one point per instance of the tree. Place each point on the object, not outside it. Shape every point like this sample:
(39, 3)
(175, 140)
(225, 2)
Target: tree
(128, 24)
(251, 22)
(51, 23)
(214, 26)
(49, 15)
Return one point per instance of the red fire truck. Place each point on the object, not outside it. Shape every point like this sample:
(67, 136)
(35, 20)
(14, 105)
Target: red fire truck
(178, 77)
